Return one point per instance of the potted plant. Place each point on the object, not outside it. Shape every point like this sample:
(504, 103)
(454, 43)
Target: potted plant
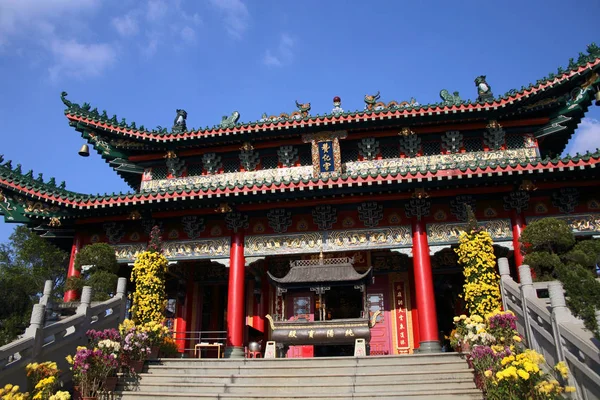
(136, 348)
(90, 370)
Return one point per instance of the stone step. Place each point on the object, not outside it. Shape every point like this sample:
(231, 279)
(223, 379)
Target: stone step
(291, 389)
(285, 362)
(359, 377)
(464, 394)
(445, 365)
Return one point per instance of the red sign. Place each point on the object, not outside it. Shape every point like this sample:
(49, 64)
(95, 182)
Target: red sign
(402, 321)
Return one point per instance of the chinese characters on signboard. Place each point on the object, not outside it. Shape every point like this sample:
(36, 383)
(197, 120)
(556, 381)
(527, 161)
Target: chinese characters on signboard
(326, 156)
(402, 317)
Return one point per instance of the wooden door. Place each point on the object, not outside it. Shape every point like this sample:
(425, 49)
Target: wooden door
(378, 299)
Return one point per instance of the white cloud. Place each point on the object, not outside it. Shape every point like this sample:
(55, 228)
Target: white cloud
(126, 25)
(586, 137)
(282, 55)
(271, 60)
(78, 60)
(18, 17)
(157, 9)
(188, 34)
(236, 16)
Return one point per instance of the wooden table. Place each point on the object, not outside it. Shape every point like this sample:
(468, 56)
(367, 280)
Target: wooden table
(198, 348)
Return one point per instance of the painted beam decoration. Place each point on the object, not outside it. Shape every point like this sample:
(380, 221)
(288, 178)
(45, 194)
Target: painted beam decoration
(314, 242)
(580, 223)
(326, 156)
(499, 229)
(402, 319)
(179, 249)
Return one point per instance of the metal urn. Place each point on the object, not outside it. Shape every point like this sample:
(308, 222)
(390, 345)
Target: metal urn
(254, 346)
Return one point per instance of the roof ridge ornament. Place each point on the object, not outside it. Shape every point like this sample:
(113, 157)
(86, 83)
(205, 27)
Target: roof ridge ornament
(371, 100)
(484, 90)
(179, 125)
(450, 99)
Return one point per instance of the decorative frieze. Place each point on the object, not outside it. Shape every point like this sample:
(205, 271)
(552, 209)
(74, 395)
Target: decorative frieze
(398, 165)
(249, 158)
(328, 241)
(279, 219)
(417, 208)
(193, 226)
(566, 200)
(324, 216)
(114, 231)
(236, 220)
(452, 141)
(579, 223)
(494, 137)
(211, 163)
(287, 155)
(175, 165)
(499, 230)
(458, 209)
(517, 200)
(368, 148)
(410, 142)
(370, 213)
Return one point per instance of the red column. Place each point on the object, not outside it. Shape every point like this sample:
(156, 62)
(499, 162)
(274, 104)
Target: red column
(428, 327)
(235, 298)
(71, 295)
(517, 220)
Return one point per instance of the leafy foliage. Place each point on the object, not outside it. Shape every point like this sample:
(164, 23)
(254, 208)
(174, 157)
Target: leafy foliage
(26, 262)
(101, 275)
(553, 253)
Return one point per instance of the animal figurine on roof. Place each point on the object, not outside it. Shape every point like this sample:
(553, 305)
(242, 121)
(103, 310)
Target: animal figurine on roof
(229, 122)
(303, 108)
(450, 99)
(179, 123)
(371, 100)
(484, 91)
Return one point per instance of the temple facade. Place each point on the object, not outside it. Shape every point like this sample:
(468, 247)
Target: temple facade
(381, 192)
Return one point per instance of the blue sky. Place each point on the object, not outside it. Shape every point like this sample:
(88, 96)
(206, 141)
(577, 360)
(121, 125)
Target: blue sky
(143, 59)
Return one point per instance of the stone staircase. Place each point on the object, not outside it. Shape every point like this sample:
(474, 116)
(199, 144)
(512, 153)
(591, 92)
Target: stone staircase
(444, 376)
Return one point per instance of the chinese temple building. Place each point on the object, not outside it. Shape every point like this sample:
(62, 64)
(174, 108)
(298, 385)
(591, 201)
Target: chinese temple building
(252, 212)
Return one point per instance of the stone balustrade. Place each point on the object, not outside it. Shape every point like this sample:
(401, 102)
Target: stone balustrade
(53, 342)
(551, 329)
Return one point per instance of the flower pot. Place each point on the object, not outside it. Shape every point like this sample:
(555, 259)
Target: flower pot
(89, 398)
(110, 383)
(76, 393)
(153, 352)
(137, 365)
(465, 347)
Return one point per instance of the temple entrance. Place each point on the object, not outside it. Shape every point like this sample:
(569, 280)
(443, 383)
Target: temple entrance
(342, 302)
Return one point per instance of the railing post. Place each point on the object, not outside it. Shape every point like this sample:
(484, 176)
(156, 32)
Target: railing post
(527, 291)
(84, 307)
(504, 275)
(122, 293)
(559, 314)
(36, 329)
(47, 292)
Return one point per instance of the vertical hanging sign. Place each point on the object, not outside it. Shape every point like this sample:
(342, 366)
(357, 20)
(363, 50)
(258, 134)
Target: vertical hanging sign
(326, 157)
(402, 318)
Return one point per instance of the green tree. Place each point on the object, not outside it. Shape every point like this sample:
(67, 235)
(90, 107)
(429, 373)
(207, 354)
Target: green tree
(553, 252)
(26, 262)
(98, 265)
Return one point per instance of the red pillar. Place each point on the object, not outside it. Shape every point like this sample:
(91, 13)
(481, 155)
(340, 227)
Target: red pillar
(517, 220)
(72, 295)
(236, 298)
(428, 327)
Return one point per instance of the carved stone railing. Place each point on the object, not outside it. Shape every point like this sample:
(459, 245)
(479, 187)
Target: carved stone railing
(55, 341)
(551, 329)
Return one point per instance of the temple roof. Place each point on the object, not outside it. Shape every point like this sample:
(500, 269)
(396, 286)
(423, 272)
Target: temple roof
(328, 270)
(25, 185)
(139, 138)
